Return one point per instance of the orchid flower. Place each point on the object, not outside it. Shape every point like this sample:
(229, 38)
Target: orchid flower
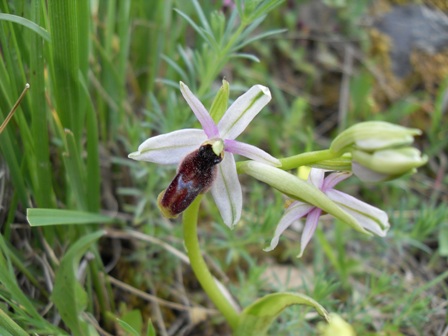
(370, 218)
(173, 147)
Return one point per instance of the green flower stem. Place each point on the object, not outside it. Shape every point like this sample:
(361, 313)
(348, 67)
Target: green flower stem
(190, 220)
(307, 159)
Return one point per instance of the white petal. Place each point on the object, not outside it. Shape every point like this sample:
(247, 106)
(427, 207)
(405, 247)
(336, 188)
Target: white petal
(242, 111)
(200, 112)
(316, 177)
(169, 148)
(333, 179)
(310, 227)
(295, 211)
(250, 152)
(369, 217)
(226, 191)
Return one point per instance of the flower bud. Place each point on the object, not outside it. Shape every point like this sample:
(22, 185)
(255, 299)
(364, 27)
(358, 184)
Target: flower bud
(380, 150)
(373, 135)
(386, 164)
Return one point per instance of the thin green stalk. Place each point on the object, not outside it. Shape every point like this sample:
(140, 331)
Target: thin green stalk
(200, 269)
(307, 159)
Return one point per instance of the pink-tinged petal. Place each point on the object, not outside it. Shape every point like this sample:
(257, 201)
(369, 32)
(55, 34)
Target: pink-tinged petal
(226, 191)
(169, 148)
(200, 111)
(242, 111)
(250, 152)
(316, 177)
(310, 227)
(369, 217)
(295, 211)
(333, 179)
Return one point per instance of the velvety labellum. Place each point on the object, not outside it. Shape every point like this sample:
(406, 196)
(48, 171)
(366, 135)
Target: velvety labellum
(195, 176)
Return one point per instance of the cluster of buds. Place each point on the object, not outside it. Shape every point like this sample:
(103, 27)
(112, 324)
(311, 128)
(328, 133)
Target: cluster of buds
(380, 150)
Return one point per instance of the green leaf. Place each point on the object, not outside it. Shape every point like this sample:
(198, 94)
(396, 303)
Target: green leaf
(132, 321)
(75, 170)
(93, 187)
(257, 318)
(443, 241)
(45, 217)
(63, 18)
(11, 293)
(43, 188)
(26, 23)
(151, 331)
(126, 327)
(5, 332)
(68, 295)
(9, 327)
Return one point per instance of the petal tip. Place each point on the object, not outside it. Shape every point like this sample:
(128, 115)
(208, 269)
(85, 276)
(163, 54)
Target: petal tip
(277, 163)
(265, 90)
(133, 155)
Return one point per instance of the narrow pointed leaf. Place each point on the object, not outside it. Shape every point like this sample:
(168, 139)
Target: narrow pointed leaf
(26, 23)
(9, 327)
(130, 331)
(46, 217)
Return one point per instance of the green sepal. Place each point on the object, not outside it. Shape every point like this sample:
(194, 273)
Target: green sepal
(258, 317)
(219, 105)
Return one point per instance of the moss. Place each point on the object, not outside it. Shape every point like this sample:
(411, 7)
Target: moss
(431, 69)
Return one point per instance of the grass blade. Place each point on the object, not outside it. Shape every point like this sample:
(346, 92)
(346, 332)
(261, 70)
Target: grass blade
(93, 181)
(46, 217)
(65, 58)
(26, 23)
(43, 192)
(10, 326)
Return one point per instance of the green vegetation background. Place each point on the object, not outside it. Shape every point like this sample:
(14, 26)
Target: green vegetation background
(104, 77)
